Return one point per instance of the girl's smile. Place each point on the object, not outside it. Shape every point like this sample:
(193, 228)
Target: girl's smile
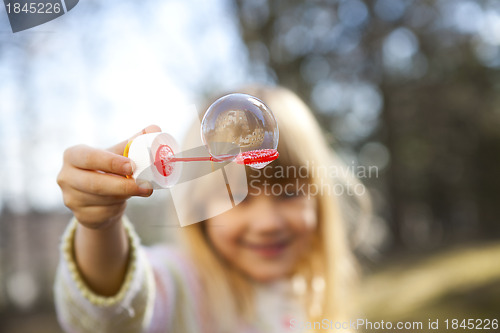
(268, 249)
(265, 236)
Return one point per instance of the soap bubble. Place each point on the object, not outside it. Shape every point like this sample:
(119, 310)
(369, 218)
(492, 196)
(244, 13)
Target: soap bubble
(240, 127)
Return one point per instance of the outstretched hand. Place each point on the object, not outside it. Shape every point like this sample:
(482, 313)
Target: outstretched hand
(94, 183)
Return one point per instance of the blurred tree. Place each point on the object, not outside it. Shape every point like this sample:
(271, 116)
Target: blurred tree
(409, 86)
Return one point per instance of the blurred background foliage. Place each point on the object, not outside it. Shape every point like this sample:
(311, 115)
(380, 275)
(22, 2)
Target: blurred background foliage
(413, 88)
(409, 86)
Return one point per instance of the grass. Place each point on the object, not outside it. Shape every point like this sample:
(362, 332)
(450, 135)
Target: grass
(457, 284)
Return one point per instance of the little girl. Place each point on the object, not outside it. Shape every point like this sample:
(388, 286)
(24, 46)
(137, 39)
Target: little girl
(277, 262)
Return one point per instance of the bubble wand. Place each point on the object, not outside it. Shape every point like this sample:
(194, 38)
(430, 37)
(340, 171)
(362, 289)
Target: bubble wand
(236, 127)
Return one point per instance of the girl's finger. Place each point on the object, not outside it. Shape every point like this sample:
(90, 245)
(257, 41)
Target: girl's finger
(103, 184)
(88, 158)
(119, 148)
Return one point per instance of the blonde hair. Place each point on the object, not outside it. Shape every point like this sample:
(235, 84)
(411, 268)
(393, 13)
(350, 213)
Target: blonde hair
(329, 271)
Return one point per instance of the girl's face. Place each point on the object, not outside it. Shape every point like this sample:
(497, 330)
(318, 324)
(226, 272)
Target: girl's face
(265, 236)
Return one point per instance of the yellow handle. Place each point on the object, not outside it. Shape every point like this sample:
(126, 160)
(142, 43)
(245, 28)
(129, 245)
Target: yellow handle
(125, 152)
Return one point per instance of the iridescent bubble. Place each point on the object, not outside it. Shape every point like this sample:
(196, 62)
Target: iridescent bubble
(240, 127)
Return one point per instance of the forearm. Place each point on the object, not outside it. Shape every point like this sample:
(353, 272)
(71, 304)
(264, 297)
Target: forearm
(102, 256)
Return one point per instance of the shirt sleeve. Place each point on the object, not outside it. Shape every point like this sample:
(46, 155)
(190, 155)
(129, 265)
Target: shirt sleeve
(79, 309)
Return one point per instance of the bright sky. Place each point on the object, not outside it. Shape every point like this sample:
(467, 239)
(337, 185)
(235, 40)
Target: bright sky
(98, 77)
(108, 68)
